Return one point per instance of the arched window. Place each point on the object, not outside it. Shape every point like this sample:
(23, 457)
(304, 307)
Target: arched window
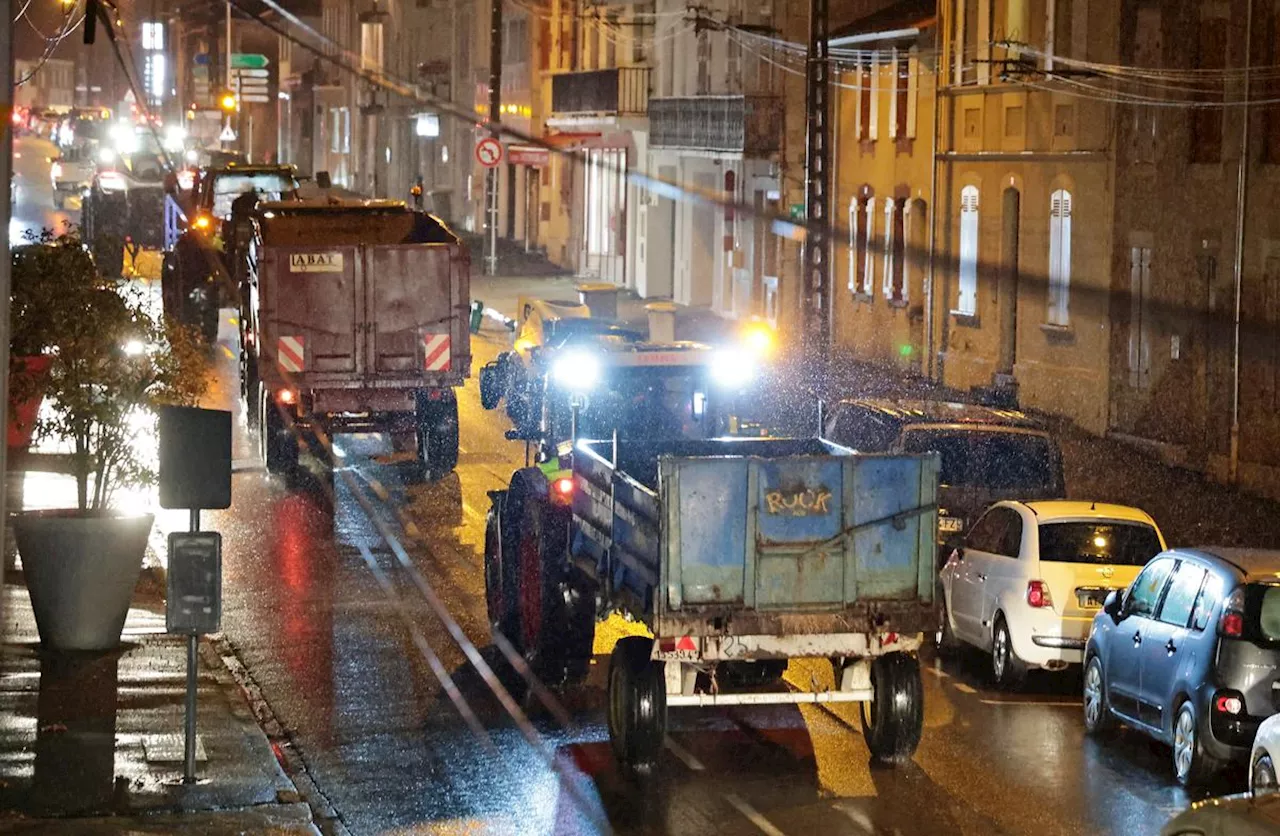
(967, 303)
(895, 250)
(858, 246)
(869, 254)
(1059, 257)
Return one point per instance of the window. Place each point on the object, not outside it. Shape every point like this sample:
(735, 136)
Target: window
(895, 249)
(335, 137)
(1180, 599)
(1011, 540)
(1206, 122)
(1139, 316)
(1144, 595)
(704, 64)
(1206, 601)
(987, 534)
(967, 59)
(864, 100)
(967, 304)
(1267, 53)
(1059, 257)
(873, 115)
(1014, 462)
(858, 276)
(901, 97)
(869, 254)
(1147, 53)
(1111, 544)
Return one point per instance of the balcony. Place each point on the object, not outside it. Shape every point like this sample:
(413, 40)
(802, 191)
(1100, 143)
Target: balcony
(748, 125)
(622, 91)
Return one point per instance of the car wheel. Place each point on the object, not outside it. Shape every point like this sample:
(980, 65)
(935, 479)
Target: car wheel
(1097, 717)
(1191, 764)
(1007, 670)
(1262, 778)
(945, 638)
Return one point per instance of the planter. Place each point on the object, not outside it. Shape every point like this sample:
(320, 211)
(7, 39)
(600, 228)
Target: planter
(27, 376)
(81, 569)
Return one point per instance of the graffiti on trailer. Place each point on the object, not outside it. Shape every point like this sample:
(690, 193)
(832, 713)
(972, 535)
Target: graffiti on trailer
(808, 502)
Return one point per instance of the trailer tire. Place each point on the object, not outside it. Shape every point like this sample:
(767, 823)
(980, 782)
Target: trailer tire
(637, 710)
(894, 720)
(437, 434)
(498, 595)
(278, 444)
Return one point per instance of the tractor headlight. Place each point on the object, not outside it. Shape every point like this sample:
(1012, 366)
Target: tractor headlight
(578, 371)
(732, 370)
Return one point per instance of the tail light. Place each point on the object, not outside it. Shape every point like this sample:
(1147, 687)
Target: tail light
(1228, 702)
(1231, 623)
(562, 490)
(1038, 594)
(288, 397)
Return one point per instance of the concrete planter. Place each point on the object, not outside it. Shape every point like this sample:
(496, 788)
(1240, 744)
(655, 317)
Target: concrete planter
(81, 569)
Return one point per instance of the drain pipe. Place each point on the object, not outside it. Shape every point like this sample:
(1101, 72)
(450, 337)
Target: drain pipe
(932, 363)
(1242, 188)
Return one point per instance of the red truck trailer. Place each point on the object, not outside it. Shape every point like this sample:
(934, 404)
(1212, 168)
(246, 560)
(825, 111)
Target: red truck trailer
(354, 319)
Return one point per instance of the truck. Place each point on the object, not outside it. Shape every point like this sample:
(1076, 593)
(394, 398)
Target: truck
(201, 241)
(354, 318)
(737, 555)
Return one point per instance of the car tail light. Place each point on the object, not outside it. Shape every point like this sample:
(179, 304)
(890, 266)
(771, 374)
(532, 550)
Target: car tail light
(1228, 703)
(1231, 624)
(287, 397)
(1038, 594)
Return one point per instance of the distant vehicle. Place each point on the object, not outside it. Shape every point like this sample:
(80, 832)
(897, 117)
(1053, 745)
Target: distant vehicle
(1190, 654)
(353, 318)
(1265, 756)
(1028, 578)
(71, 171)
(988, 454)
(1232, 815)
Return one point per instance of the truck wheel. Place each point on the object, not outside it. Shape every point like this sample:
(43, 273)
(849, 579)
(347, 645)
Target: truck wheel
(892, 723)
(438, 434)
(637, 705)
(278, 444)
(497, 590)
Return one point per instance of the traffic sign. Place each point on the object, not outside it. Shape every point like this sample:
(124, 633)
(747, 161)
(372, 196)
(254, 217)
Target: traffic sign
(249, 61)
(489, 152)
(227, 135)
(252, 73)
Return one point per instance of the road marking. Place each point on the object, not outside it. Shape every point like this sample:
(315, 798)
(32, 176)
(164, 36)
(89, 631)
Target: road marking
(227, 352)
(752, 815)
(1048, 703)
(684, 755)
(939, 672)
(965, 689)
(467, 509)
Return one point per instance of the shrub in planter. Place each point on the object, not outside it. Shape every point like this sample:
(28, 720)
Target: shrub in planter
(112, 362)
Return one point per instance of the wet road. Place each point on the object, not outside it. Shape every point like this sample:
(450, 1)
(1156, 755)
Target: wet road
(390, 753)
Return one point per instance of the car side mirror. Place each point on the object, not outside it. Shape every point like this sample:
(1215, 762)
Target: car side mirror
(1113, 604)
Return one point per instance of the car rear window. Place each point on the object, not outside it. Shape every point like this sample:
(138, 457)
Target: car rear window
(1120, 544)
(1262, 604)
(1003, 461)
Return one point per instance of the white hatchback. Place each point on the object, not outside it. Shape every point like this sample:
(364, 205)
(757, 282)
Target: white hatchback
(1028, 578)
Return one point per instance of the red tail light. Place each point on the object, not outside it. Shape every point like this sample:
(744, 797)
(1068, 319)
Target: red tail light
(1228, 704)
(1231, 624)
(562, 490)
(1038, 594)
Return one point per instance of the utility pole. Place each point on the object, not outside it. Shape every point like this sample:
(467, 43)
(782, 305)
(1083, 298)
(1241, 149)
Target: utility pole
(816, 280)
(1242, 198)
(495, 111)
(6, 169)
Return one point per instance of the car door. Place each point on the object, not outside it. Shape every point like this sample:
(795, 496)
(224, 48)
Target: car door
(968, 575)
(1123, 652)
(1165, 647)
(1006, 572)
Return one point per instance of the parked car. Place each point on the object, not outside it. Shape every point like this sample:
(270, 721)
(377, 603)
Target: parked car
(1265, 756)
(71, 171)
(1028, 578)
(1190, 654)
(987, 454)
(1232, 815)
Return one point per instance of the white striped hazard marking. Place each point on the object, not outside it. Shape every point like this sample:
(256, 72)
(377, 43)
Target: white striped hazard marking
(289, 354)
(435, 352)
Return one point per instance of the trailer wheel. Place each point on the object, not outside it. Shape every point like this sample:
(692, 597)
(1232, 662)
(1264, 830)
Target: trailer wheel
(637, 705)
(438, 433)
(892, 723)
(497, 591)
(278, 444)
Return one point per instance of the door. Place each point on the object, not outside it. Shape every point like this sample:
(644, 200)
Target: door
(1006, 573)
(316, 306)
(1165, 646)
(969, 576)
(1124, 647)
(411, 316)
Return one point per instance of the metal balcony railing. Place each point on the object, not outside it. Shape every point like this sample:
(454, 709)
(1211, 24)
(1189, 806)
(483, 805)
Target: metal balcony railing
(751, 125)
(622, 91)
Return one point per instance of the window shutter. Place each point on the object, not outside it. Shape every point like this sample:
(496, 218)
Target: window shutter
(967, 302)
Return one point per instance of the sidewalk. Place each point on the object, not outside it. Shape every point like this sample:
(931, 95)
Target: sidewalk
(92, 744)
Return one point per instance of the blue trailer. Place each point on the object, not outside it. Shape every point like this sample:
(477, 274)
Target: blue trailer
(737, 554)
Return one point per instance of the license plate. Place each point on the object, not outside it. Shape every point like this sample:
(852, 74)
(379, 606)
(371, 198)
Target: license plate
(1091, 599)
(950, 524)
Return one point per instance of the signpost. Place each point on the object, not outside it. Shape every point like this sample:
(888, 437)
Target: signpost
(249, 61)
(195, 473)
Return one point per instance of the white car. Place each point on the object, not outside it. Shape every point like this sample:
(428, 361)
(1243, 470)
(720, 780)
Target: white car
(1028, 578)
(1265, 756)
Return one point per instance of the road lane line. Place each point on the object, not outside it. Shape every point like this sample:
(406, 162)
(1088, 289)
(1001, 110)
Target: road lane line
(752, 815)
(965, 689)
(684, 755)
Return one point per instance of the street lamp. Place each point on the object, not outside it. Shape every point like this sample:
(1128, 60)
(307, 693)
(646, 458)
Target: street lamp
(229, 103)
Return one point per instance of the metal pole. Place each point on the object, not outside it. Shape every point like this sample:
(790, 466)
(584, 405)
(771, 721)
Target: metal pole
(189, 743)
(1242, 196)
(816, 282)
(931, 297)
(495, 114)
(6, 168)
(227, 73)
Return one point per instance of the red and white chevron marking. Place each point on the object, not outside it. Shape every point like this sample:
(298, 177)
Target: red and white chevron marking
(435, 355)
(289, 354)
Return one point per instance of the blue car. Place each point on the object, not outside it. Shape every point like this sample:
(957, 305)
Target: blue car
(1189, 653)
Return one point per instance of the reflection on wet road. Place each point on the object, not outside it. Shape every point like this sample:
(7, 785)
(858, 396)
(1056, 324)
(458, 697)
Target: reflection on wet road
(389, 752)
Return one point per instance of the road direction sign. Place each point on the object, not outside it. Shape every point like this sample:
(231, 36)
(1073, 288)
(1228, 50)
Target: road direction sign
(488, 152)
(253, 73)
(249, 61)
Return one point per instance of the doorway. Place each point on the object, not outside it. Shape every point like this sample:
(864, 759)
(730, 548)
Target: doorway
(1011, 214)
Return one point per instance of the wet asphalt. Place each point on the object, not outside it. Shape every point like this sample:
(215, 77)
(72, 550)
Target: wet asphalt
(369, 720)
